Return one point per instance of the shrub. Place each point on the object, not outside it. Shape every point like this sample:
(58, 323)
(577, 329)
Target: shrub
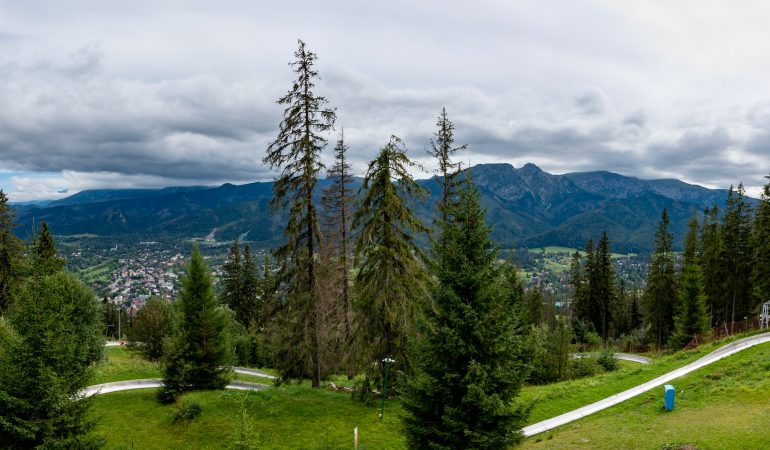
(583, 367)
(608, 360)
(187, 410)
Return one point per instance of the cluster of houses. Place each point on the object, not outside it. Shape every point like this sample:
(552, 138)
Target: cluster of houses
(151, 273)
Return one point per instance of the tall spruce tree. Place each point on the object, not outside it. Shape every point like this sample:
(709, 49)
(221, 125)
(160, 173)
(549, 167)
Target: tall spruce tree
(442, 149)
(691, 317)
(470, 360)
(231, 282)
(250, 287)
(336, 201)
(296, 151)
(577, 279)
(197, 356)
(10, 253)
(710, 254)
(761, 246)
(391, 282)
(602, 287)
(736, 256)
(46, 361)
(660, 295)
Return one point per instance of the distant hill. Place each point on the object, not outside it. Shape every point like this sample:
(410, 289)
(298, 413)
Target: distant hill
(526, 206)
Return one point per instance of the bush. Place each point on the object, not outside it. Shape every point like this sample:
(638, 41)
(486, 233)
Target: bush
(249, 350)
(187, 410)
(608, 360)
(166, 395)
(583, 367)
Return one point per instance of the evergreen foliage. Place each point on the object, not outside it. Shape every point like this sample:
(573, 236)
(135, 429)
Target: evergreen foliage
(471, 361)
(710, 243)
(43, 253)
(336, 201)
(761, 246)
(736, 257)
(232, 285)
(391, 282)
(660, 294)
(45, 360)
(442, 149)
(10, 253)
(692, 316)
(601, 282)
(296, 151)
(197, 355)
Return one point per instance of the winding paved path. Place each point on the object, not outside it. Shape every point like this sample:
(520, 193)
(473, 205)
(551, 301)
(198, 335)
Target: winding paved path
(714, 356)
(147, 383)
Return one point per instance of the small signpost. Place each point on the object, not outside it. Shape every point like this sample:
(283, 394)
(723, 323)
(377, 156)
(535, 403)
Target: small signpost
(387, 362)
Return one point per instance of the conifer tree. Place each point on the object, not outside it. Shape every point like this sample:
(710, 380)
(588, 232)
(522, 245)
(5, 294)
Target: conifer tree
(336, 201)
(197, 356)
(232, 284)
(577, 279)
(691, 317)
(710, 253)
(249, 313)
(736, 256)
(761, 247)
(296, 151)
(470, 359)
(43, 253)
(46, 361)
(442, 149)
(391, 282)
(660, 294)
(10, 253)
(602, 287)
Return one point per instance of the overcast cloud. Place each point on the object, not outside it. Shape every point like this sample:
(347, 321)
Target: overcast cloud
(98, 94)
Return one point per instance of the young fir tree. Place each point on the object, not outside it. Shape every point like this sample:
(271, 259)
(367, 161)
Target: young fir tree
(470, 361)
(577, 280)
(46, 361)
(10, 253)
(691, 317)
(391, 282)
(43, 253)
(250, 287)
(197, 356)
(296, 151)
(660, 294)
(761, 246)
(442, 149)
(336, 201)
(736, 256)
(710, 254)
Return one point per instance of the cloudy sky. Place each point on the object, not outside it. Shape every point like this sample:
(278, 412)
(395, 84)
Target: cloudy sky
(100, 94)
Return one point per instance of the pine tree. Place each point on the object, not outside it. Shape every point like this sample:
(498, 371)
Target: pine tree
(46, 361)
(660, 295)
(577, 279)
(442, 149)
(296, 151)
(470, 361)
(691, 317)
(10, 253)
(710, 253)
(391, 282)
(197, 356)
(761, 246)
(736, 256)
(336, 201)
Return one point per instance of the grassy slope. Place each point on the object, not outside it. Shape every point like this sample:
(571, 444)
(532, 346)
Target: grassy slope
(280, 418)
(723, 405)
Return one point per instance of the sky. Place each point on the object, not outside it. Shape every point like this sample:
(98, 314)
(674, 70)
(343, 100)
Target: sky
(142, 94)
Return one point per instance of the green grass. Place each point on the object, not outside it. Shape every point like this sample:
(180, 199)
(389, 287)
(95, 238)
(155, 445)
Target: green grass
(554, 399)
(120, 364)
(279, 418)
(721, 406)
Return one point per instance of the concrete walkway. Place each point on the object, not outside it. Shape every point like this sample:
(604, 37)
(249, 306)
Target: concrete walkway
(147, 383)
(714, 356)
(253, 372)
(624, 356)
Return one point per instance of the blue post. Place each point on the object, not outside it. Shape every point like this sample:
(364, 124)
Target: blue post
(669, 397)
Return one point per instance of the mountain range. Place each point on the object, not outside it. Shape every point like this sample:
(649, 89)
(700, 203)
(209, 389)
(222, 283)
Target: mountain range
(526, 207)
